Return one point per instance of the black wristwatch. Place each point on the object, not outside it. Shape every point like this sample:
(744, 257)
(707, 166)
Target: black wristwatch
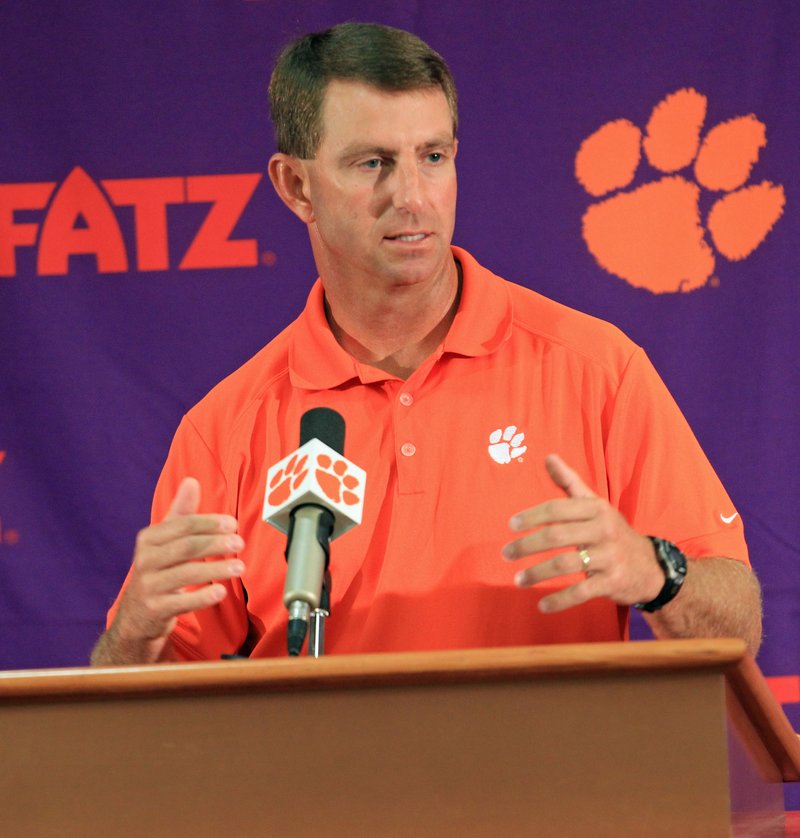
(673, 563)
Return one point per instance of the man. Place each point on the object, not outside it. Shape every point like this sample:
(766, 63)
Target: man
(455, 385)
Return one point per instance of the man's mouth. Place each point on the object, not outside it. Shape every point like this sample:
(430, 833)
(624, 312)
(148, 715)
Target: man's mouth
(408, 237)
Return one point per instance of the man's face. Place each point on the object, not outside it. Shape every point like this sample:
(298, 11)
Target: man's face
(382, 188)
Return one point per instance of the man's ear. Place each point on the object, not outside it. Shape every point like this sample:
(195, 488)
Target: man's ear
(289, 176)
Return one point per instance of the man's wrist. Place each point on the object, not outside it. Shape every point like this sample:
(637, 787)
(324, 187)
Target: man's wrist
(114, 649)
(673, 563)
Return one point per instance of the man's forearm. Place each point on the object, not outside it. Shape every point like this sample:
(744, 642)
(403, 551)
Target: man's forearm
(719, 598)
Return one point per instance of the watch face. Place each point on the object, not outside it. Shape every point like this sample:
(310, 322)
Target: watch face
(671, 559)
(673, 563)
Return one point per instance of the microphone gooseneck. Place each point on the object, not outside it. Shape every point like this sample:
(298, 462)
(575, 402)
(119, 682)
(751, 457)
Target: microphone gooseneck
(307, 557)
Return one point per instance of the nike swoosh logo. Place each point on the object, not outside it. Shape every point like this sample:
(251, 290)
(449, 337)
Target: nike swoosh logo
(728, 519)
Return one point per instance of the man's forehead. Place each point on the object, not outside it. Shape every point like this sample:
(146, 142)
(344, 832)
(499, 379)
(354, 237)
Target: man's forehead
(354, 89)
(351, 107)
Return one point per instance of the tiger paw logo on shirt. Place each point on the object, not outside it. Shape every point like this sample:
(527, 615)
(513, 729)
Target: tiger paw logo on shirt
(653, 236)
(505, 445)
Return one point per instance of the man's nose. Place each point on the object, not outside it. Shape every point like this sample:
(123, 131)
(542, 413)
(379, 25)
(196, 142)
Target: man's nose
(407, 194)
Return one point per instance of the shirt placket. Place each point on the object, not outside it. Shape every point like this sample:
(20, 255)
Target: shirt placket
(408, 444)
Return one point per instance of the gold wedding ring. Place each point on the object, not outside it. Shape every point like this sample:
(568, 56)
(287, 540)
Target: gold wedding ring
(585, 559)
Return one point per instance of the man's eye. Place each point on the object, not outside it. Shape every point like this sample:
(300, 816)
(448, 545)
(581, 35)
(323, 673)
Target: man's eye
(375, 163)
(435, 156)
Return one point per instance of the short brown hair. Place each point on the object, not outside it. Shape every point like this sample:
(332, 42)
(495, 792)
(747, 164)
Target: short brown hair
(387, 58)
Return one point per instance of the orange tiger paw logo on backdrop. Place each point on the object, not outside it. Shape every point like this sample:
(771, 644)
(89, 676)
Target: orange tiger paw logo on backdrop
(653, 236)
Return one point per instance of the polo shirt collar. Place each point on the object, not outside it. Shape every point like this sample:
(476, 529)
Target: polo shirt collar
(481, 325)
(484, 318)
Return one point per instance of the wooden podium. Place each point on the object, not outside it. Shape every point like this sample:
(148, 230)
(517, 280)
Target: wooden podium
(657, 738)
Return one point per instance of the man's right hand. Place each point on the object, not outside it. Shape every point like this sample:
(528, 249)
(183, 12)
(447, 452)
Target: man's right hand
(167, 561)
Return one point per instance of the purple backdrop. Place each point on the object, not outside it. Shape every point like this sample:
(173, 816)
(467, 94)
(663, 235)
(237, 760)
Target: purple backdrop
(120, 112)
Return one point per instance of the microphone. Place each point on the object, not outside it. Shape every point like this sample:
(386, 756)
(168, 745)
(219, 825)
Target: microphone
(313, 495)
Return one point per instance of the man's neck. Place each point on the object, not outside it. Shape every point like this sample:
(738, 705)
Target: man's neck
(396, 335)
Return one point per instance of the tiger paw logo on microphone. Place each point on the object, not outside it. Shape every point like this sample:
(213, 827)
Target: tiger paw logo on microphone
(315, 474)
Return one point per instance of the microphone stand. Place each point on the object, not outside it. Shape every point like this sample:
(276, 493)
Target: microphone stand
(316, 634)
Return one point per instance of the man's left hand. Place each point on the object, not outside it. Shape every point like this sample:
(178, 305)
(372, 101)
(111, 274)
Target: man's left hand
(592, 536)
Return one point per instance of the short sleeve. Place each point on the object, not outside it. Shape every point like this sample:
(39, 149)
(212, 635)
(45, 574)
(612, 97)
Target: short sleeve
(659, 476)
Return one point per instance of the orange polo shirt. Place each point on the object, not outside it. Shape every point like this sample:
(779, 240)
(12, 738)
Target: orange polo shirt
(450, 455)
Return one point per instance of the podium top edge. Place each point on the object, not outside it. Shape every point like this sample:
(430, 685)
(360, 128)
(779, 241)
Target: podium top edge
(338, 671)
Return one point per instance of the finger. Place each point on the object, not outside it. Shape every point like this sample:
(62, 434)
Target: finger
(577, 594)
(555, 537)
(567, 478)
(184, 526)
(160, 598)
(180, 551)
(186, 500)
(555, 511)
(160, 611)
(561, 565)
(186, 601)
(191, 574)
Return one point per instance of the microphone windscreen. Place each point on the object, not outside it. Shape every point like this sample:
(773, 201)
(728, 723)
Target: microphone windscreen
(323, 424)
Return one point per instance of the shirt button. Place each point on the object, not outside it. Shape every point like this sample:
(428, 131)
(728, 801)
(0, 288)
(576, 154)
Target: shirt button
(408, 449)
(406, 399)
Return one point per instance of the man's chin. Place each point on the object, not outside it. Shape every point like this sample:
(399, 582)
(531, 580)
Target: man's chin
(413, 269)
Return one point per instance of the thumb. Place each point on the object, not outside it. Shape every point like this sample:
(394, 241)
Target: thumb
(566, 478)
(186, 500)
